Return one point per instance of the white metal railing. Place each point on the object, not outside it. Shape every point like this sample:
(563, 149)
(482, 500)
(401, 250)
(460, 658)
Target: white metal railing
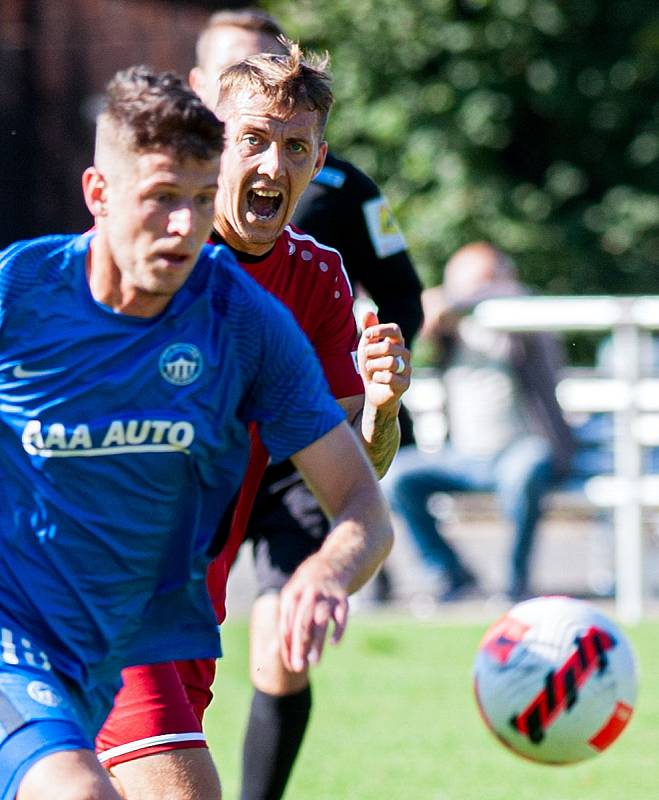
(627, 395)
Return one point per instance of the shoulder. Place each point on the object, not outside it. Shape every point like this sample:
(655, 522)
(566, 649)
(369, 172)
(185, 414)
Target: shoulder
(306, 248)
(27, 264)
(221, 261)
(228, 281)
(239, 298)
(317, 258)
(37, 251)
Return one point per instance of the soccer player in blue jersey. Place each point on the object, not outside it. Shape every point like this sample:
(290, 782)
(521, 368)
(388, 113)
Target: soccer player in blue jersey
(132, 360)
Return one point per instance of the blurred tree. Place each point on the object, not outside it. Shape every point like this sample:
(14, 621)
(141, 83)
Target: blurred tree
(532, 123)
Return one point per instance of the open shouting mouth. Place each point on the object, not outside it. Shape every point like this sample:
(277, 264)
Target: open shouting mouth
(264, 203)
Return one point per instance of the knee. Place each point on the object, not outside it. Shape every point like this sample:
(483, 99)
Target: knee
(269, 675)
(267, 670)
(530, 467)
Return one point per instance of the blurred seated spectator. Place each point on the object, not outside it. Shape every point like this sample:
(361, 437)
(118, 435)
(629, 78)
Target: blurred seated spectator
(506, 433)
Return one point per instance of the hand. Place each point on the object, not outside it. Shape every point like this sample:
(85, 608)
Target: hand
(309, 603)
(381, 354)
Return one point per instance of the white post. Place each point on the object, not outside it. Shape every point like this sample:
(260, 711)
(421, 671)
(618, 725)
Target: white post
(628, 467)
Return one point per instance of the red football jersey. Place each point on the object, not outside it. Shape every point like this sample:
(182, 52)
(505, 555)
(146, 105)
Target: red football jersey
(310, 279)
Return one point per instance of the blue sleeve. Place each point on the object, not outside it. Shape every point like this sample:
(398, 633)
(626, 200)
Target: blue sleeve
(290, 399)
(26, 265)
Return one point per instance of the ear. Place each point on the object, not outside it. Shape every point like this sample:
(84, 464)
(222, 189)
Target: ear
(320, 159)
(93, 189)
(197, 81)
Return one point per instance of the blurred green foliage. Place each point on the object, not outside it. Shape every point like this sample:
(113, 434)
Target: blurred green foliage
(531, 123)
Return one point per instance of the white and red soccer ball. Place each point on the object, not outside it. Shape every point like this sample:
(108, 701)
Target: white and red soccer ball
(555, 680)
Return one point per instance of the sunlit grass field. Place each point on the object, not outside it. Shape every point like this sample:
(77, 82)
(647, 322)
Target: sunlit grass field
(394, 719)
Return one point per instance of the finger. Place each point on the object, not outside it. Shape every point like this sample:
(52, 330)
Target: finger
(302, 634)
(385, 330)
(286, 616)
(336, 611)
(384, 347)
(340, 617)
(369, 319)
(322, 617)
(386, 378)
(387, 363)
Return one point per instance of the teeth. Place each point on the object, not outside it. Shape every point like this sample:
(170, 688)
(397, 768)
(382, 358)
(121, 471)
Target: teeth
(266, 192)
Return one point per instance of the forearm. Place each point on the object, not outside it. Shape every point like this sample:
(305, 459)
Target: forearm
(379, 432)
(358, 543)
(349, 494)
(336, 470)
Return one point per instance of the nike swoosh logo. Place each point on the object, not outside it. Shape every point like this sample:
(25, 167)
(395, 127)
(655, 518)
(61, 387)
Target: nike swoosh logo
(19, 372)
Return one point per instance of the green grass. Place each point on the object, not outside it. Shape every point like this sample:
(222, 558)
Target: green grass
(394, 719)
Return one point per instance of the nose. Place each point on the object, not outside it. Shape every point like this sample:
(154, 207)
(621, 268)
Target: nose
(180, 222)
(271, 162)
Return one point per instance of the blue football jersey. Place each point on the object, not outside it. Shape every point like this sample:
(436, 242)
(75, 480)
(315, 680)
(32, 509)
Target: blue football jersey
(122, 442)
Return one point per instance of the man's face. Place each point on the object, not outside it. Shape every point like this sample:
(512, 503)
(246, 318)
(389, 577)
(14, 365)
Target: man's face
(158, 213)
(269, 158)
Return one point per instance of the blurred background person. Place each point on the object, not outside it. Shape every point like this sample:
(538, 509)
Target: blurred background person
(506, 432)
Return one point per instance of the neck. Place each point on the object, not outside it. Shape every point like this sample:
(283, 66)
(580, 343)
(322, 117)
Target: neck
(241, 256)
(107, 287)
(235, 242)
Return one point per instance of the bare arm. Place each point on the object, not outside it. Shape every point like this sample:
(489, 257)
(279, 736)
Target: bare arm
(345, 485)
(379, 431)
(381, 353)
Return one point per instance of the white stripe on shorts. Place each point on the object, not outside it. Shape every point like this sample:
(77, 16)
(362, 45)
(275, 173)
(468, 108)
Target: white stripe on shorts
(149, 741)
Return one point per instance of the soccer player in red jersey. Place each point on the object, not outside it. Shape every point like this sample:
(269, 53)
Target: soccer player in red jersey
(343, 208)
(274, 109)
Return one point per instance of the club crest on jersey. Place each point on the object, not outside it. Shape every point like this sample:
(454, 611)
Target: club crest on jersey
(181, 364)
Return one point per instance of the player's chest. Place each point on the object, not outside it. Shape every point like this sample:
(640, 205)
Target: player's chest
(91, 388)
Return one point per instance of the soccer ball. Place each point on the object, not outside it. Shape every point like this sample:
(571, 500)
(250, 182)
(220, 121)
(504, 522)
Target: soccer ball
(555, 680)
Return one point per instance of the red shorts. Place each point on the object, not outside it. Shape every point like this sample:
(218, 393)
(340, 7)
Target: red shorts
(159, 708)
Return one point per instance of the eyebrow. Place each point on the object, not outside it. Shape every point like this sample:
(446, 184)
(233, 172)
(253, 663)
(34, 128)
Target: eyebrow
(263, 127)
(149, 184)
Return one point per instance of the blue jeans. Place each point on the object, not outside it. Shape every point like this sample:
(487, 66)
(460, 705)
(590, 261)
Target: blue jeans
(519, 476)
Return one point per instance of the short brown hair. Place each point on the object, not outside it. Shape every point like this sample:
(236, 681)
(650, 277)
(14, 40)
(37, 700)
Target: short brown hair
(250, 19)
(291, 81)
(158, 111)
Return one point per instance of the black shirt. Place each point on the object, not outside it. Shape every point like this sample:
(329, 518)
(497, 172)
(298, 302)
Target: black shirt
(343, 208)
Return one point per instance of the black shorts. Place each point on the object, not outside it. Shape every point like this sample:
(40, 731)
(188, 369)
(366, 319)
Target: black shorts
(286, 526)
